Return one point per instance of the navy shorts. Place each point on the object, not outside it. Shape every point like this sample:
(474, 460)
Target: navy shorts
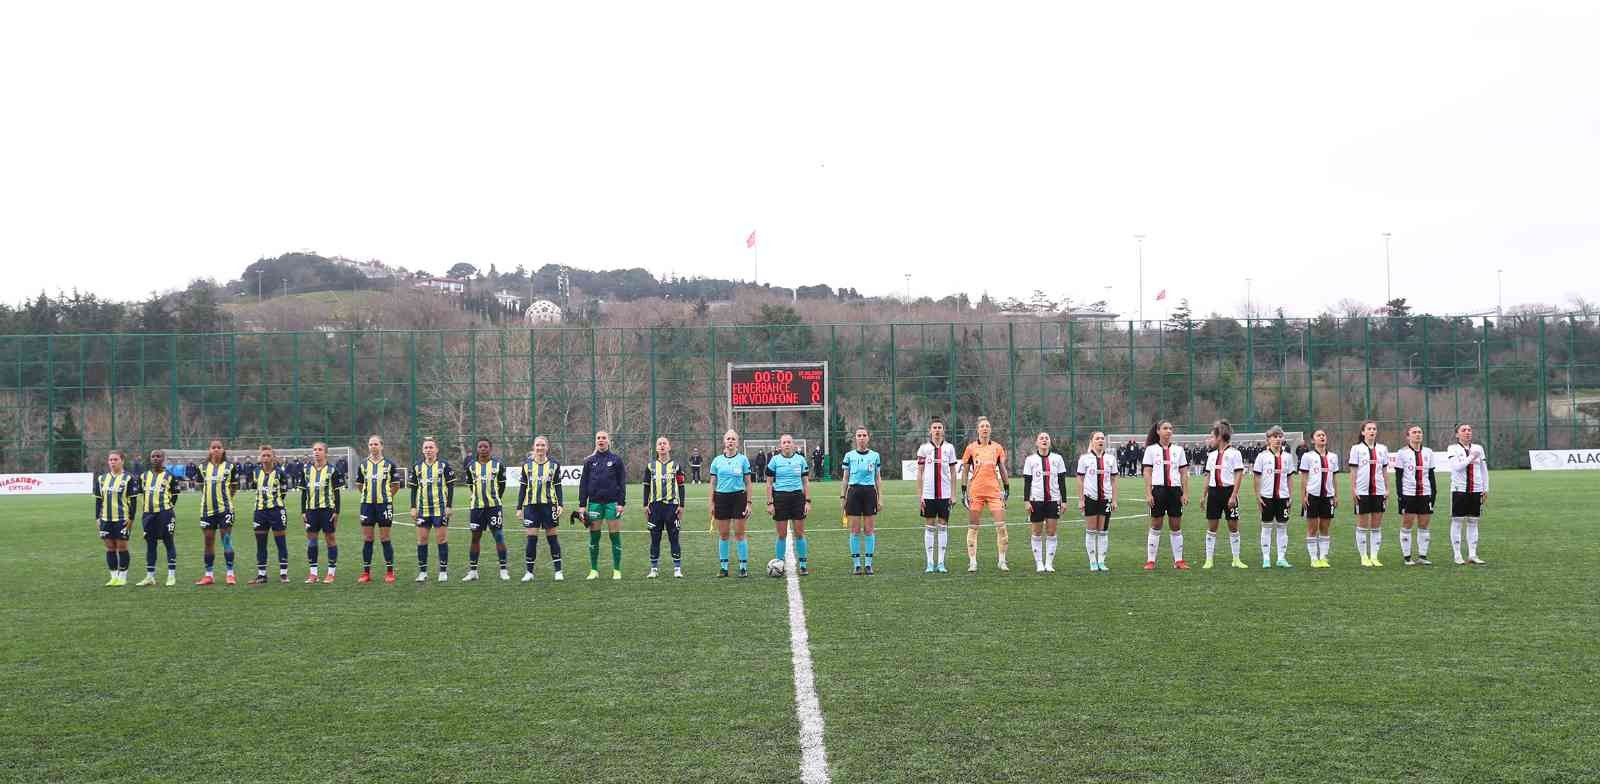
(539, 516)
(224, 520)
(431, 521)
(381, 515)
(319, 521)
(114, 531)
(274, 519)
(489, 517)
(661, 514)
(158, 525)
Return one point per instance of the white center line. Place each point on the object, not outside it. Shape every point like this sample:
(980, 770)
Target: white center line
(813, 754)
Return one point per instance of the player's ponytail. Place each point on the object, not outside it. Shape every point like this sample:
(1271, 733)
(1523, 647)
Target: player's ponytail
(1154, 436)
(1223, 431)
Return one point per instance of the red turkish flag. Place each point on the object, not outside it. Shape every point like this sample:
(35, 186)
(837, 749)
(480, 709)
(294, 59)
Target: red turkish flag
(1160, 295)
(750, 241)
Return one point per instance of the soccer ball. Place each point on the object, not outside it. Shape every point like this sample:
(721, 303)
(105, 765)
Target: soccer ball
(775, 568)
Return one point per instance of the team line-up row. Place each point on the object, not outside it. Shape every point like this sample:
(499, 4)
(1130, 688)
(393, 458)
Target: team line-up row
(981, 469)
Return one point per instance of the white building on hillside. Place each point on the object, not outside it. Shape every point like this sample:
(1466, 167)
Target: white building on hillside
(508, 300)
(447, 285)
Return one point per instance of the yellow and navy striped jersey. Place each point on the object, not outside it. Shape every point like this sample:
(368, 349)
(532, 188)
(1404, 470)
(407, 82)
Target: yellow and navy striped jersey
(663, 481)
(377, 479)
(541, 483)
(116, 496)
(271, 487)
(488, 483)
(433, 488)
(321, 488)
(160, 491)
(218, 483)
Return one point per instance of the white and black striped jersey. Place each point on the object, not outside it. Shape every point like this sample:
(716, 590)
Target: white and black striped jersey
(1166, 464)
(1274, 472)
(1469, 469)
(1221, 467)
(938, 469)
(1367, 465)
(1099, 475)
(1319, 468)
(1045, 475)
(1413, 467)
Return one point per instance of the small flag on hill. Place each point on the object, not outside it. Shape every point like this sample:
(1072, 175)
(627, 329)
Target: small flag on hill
(1160, 295)
(750, 241)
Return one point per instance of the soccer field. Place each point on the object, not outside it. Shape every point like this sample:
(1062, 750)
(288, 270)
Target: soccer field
(1439, 673)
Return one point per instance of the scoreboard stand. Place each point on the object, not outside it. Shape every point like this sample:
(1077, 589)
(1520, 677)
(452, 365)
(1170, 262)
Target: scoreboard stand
(780, 386)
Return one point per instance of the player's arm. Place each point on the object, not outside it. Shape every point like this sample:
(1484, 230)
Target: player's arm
(805, 485)
(99, 500)
(683, 500)
(621, 474)
(522, 488)
(449, 489)
(1061, 481)
(411, 482)
(305, 499)
(1005, 478)
(1149, 489)
(337, 490)
(555, 484)
(771, 483)
(1027, 486)
(1081, 491)
(1238, 482)
(394, 484)
(500, 481)
(583, 486)
(644, 487)
(749, 487)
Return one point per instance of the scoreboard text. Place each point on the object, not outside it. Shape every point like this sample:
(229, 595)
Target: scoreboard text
(777, 386)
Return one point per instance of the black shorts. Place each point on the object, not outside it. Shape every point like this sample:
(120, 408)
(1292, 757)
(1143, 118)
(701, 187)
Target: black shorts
(1319, 507)
(270, 519)
(224, 520)
(1095, 507)
(319, 521)
(1044, 510)
(1168, 502)
(660, 514)
(861, 500)
(1416, 504)
(432, 521)
(487, 517)
(729, 506)
(157, 525)
(114, 531)
(789, 505)
(1371, 504)
(936, 508)
(1274, 510)
(381, 515)
(1466, 504)
(539, 516)
(1217, 504)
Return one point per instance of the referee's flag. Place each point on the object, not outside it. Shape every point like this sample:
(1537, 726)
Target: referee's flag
(750, 241)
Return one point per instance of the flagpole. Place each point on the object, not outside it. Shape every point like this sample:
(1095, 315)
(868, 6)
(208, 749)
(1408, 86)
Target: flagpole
(1139, 238)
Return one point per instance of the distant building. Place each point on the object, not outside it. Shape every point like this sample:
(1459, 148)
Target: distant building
(372, 268)
(446, 285)
(508, 300)
(543, 311)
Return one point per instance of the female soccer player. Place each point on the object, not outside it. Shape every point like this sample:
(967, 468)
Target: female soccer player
(1097, 499)
(664, 504)
(116, 500)
(433, 492)
(219, 480)
(377, 479)
(271, 514)
(730, 501)
(540, 502)
(936, 464)
(1370, 487)
(488, 478)
(1224, 476)
(319, 509)
(603, 497)
(1166, 490)
(160, 502)
(789, 498)
(862, 500)
(984, 463)
(1413, 475)
(1044, 484)
(1469, 491)
(1318, 497)
(1275, 469)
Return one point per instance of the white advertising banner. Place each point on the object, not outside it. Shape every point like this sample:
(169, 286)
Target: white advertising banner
(1564, 459)
(570, 474)
(908, 470)
(45, 484)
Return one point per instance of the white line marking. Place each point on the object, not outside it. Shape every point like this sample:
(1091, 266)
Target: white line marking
(813, 755)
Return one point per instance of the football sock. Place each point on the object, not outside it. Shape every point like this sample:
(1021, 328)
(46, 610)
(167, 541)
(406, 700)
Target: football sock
(555, 552)
(210, 560)
(530, 552)
(743, 546)
(972, 543)
(1374, 539)
(171, 543)
(1049, 550)
(722, 553)
(872, 547)
(1233, 543)
(929, 538)
(1455, 536)
(1324, 542)
(1152, 544)
(444, 556)
(655, 545)
(333, 556)
(1422, 543)
(388, 554)
(261, 552)
(123, 557)
(1091, 545)
(1266, 541)
(1361, 541)
(1104, 546)
(1211, 544)
(944, 541)
(594, 549)
(1405, 542)
(1177, 544)
(779, 547)
(1472, 539)
(150, 556)
(1283, 541)
(422, 558)
(677, 551)
(1312, 547)
(227, 549)
(282, 541)
(473, 549)
(111, 562)
(366, 556)
(1002, 537)
(311, 552)
(800, 550)
(1036, 544)
(855, 549)
(499, 545)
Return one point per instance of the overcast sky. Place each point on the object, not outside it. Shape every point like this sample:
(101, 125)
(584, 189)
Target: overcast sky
(977, 146)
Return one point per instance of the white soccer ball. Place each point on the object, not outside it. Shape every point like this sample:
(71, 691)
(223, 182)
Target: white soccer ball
(775, 568)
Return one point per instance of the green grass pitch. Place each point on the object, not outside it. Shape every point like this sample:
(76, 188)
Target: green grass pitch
(1441, 674)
